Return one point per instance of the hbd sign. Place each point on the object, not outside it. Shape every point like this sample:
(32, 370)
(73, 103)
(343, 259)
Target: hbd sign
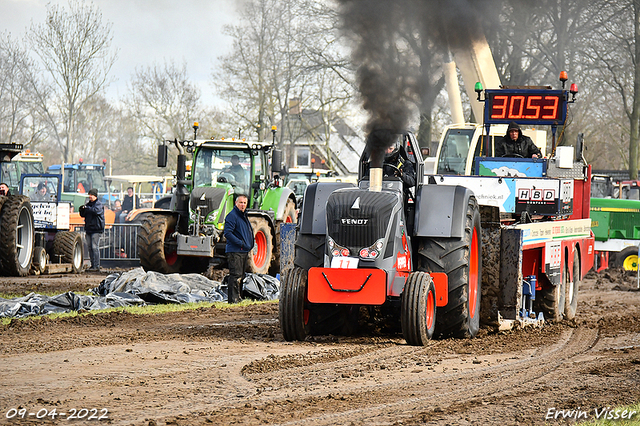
(541, 195)
(547, 197)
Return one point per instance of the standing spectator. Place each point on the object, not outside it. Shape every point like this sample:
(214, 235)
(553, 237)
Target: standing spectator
(127, 204)
(117, 209)
(93, 213)
(4, 189)
(239, 236)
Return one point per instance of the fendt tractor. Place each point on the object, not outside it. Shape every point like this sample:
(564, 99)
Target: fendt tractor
(507, 243)
(189, 235)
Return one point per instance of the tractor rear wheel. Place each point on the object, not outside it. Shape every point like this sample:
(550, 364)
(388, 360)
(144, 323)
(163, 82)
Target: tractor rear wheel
(628, 259)
(289, 217)
(418, 309)
(16, 236)
(261, 256)
(571, 289)
(461, 260)
(157, 249)
(67, 246)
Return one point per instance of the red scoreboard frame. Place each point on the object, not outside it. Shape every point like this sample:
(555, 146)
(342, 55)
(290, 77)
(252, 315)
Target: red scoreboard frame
(525, 106)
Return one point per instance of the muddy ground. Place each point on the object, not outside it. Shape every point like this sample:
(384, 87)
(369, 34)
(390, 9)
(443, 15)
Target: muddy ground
(232, 366)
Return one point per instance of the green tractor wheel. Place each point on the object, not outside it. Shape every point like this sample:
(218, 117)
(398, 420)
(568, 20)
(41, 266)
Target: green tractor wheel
(261, 256)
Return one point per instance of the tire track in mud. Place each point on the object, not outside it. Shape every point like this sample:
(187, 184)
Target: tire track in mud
(483, 382)
(334, 388)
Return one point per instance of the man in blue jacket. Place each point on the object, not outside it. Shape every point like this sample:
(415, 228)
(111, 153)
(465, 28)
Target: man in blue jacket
(93, 213)
(240, 240)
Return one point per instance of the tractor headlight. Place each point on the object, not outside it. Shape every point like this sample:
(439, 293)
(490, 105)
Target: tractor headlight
(373, 251)
(336, 249)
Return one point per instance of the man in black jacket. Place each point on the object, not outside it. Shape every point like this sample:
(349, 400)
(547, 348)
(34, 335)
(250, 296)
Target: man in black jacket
(515, 144)
(240, 240)
(93, 213)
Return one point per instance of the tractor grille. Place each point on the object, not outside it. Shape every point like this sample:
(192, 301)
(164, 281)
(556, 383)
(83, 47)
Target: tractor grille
(359, 227)
(212, 199)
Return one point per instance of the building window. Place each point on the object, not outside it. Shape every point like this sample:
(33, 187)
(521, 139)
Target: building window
(302, 157)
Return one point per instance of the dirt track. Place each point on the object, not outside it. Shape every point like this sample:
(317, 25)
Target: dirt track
(213, 366)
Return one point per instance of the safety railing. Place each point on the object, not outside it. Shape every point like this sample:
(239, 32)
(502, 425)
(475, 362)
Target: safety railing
(118, 244)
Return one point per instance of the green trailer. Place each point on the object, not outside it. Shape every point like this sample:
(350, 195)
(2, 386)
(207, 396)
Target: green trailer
(616, 226)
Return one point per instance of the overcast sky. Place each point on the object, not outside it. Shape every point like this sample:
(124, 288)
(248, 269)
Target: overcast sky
(148, 32)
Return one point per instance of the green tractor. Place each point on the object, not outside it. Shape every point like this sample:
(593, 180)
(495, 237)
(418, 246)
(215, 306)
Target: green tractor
(188, 237)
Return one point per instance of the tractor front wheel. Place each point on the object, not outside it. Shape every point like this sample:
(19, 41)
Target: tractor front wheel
(418, 309)
(157, 248)
(67, 246)
(40, 260)
(294, 318)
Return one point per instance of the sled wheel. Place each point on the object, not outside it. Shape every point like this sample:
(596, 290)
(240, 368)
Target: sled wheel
(628, 259)
(293, 316)
(418, 311)
(460, 259)
(553, 297)
(67, 246)
(157, 249)
(16, 236)
(262, 254)
(571, 288)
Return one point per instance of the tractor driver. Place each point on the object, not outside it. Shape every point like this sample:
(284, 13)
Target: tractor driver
(41, 193)
(397, 165)
(515, 144)
(237, 171)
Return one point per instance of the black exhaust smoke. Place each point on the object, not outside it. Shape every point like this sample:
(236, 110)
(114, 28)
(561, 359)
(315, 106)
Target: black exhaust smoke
(386, 75)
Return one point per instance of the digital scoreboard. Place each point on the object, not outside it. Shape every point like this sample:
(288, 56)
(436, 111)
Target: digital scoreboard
(525, 106)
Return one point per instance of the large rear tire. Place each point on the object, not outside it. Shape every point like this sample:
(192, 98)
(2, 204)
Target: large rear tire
(571, 289)
(418, 311)
(67, 246)
(461, 260)
(289, 217)
(157, 249)
(16, 236)
(261, 256)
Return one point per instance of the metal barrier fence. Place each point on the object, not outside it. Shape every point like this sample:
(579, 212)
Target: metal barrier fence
(118, 245)
(120, 241)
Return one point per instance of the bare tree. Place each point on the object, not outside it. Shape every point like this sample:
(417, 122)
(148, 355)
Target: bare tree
(74, 48)
(19, 121)
(282, 51)
(164, 101)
